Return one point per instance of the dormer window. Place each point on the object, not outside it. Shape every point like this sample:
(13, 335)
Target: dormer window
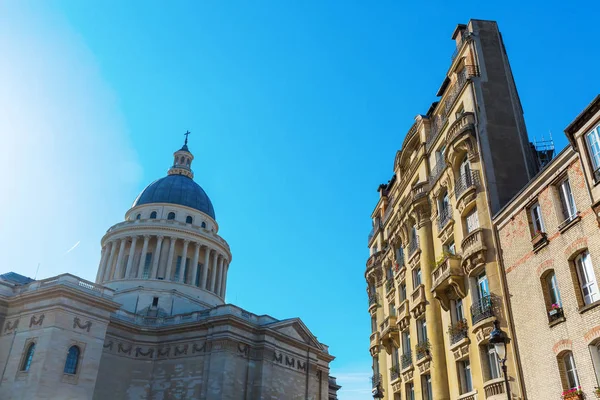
(171, 216)
(189, 219)
(203, 224)
(138, 216)
(153, 215)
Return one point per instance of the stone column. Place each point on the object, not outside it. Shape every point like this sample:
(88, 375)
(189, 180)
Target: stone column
(213, 275)
(203, 283)
(186, 243)
(131, 256)
(154, 272)
(435, 330)
(103, 257)
(218, 275)
(121, 254)
(168, 275)
(111, 258)
(223, 279)
(140, 272)
(195, 263)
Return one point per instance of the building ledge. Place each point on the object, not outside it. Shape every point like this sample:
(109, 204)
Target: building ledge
(566, 225)
(589, 307)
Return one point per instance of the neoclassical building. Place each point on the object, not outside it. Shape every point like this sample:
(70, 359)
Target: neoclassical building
(433, 277)
(155, 324)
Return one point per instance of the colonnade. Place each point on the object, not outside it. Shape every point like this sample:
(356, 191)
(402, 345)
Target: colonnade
(161, 258)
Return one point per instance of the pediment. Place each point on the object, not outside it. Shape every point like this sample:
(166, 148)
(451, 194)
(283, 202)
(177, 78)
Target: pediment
(295, 328)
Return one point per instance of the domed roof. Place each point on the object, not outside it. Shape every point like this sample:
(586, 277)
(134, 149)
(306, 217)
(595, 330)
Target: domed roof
(176, 189)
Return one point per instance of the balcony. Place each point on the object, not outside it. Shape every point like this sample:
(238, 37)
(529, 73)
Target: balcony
(473, 252)
(458, 333)
(418, 302)
(539, 241)
(403, 316)
(389, 209)
(462, 128)
(465, 190)
(437, 170)
(419, 193)
(373, 302)
(494, 389)
(374, 344)
(482, 309)
(406, 360)
(394, 373)
(400, 273)
(448, 281)
(389, 285)
(413, 247)
(423, 356)
(483, 316)
(376, 380)
(445, 221)
(377, 226)
(390, 337)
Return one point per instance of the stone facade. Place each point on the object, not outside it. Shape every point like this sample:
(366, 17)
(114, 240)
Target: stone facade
(433, 277)
(155, 324)
(555, 322)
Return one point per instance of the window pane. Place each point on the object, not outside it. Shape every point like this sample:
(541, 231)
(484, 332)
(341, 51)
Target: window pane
(494, 369)
(472, 221)
(594, 145)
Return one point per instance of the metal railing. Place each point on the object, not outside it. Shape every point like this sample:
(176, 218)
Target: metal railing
(413, 246)
(465, 181)
(555, 314)
(484, 308)
(465, 35)
(406, 359)
(376, 380)
(437, 170)
(373, 299)
(444, 216)
(422, 349)
(389, 284)
(458, 331)
(376, 226)
(394, 372)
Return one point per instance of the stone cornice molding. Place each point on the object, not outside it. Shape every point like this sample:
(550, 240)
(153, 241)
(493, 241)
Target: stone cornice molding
(212, 322)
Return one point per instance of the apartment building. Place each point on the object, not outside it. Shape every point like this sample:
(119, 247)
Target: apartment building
(433, 276)
(550, 239)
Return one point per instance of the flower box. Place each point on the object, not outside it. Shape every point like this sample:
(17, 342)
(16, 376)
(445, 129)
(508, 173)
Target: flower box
(539, 239)
(573, 394)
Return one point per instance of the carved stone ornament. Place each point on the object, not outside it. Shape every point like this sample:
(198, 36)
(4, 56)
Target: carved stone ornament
(10, 326)
(36, 321)
(77, 324)
(122, 349)
(141, 353)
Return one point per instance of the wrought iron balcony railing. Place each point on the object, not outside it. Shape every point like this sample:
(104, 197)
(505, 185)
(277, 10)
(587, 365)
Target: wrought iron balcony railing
(458, 331)
(389, 284)
(484, 308)
(376, 380)
(377, 225)
(437, 170)
(413, 246)
(394, 372)
(373, 299)
(422, 349)
(444, 216)
(465, 181)
(406, 360)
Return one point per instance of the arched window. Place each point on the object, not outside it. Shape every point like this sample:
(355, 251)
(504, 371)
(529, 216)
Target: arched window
(153, 215)
(171, 215)
(587, 278)
(181, 160)
(552, 296)
(203, 224)
(138, 216)
(569, 377)
(189, 219)
(72, 360)
(28, 357)
(188, 162)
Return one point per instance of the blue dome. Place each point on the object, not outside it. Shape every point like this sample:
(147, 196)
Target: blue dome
(176, 189)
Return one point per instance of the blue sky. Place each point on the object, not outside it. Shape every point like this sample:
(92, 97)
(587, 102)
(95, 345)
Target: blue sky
(296, 111)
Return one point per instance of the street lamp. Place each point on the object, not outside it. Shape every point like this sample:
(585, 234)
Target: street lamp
(499, 339)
